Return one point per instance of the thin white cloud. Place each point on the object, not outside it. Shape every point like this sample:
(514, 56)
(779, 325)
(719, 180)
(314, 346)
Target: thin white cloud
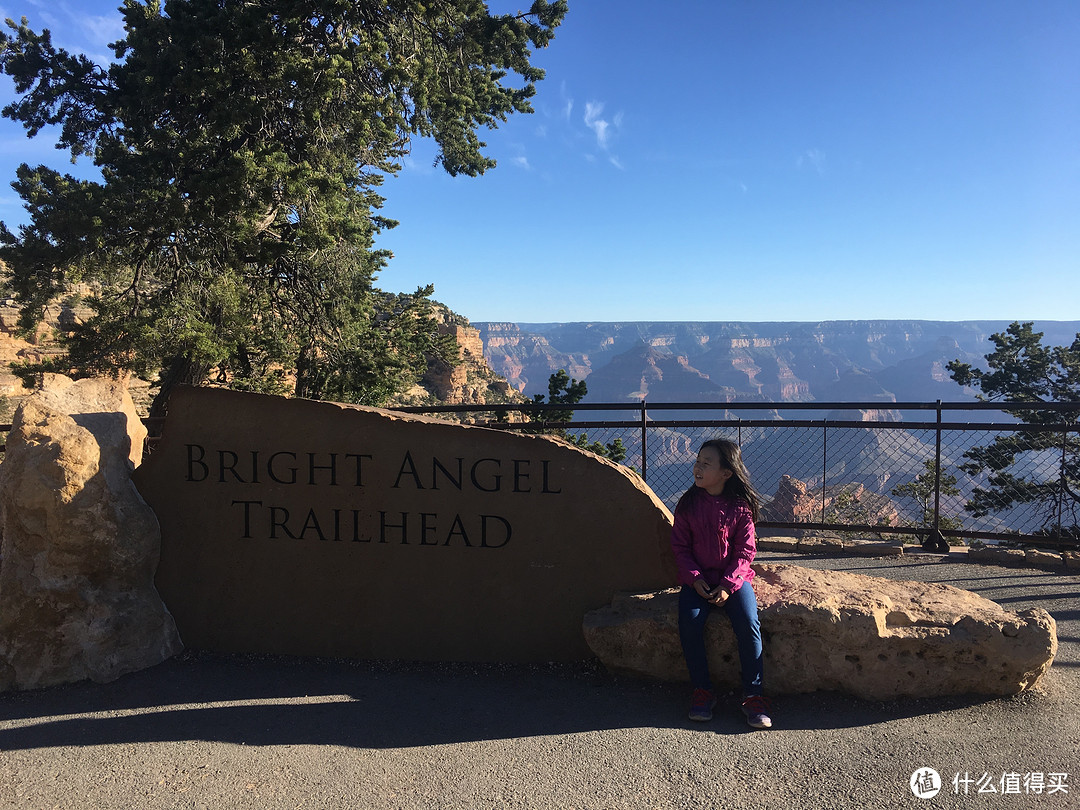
(568, 102)
(521, 161)
(413, 166)
(40, 14)
(814, 159)
(73, 29)
(600, 126)
(616, 163)
(104, 29)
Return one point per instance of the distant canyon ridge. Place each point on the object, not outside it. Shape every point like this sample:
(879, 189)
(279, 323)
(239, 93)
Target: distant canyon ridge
(627, 361)
(831, 361)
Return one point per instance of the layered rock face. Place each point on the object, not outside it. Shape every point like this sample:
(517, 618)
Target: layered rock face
(43, 344)
(80, 545)
(470, 381)
(16, 349)
(841, 361)
(874, 638)
(464, 380)
(794, 502)
(527, 360)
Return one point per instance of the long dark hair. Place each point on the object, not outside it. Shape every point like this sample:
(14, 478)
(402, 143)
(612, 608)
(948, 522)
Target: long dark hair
(738, 485)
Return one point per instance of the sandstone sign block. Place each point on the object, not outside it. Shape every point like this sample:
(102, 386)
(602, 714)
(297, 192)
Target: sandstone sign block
(313, 528)
(874, 638)
(80, 546)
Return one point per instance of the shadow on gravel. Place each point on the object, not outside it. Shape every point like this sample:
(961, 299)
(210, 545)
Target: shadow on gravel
(268, 700)
(280, 701)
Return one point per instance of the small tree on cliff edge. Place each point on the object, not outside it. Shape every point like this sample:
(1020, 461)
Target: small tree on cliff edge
(921, 490)
(241, 145)
(1021, 369)
(564, 391)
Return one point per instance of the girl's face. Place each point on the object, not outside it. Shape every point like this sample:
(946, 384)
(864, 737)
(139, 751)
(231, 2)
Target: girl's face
(709, 474)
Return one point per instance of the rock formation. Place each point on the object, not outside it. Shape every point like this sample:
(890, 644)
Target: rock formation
(892, 360)
(80, 545)
(874, 638)
(298, 527)
(41, 345)
(649, 372)
(792, 503)
(467, 381)
(795, 502)
(509, 352)
(17, 349)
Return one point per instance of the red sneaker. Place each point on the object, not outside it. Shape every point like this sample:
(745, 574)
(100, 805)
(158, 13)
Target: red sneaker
(756, 709)
(701, 705)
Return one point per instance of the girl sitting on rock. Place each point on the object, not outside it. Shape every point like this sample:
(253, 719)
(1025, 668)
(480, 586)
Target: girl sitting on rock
(714, 544)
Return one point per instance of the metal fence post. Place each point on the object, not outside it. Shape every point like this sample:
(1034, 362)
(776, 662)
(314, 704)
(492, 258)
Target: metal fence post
(1062, 480)
(937, 467)
(824, 463)
(934, 541)
(644, 443)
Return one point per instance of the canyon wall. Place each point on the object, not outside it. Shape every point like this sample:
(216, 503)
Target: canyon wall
(884, 361)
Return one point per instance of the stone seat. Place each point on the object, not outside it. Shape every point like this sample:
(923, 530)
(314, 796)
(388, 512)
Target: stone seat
(871, 637)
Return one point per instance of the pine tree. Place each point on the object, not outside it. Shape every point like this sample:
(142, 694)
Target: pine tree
(1022, 369)
(241, 145)
(921, 489)
(562, 390)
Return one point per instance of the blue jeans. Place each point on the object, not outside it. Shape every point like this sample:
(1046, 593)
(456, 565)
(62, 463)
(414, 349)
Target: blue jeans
(741, 608)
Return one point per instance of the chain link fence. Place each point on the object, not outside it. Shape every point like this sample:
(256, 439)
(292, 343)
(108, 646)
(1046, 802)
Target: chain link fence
(890, 472)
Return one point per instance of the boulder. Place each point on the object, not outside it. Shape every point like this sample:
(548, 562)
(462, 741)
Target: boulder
(295, 527)
(80, 545)
(1042, 559)
(871, 637)
(1012, 557)
(784, 544)
(870, 548)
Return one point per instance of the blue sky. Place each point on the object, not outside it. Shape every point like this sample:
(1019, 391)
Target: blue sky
(755, 160)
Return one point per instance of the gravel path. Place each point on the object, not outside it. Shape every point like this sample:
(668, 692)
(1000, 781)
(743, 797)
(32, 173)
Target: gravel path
(222, 732)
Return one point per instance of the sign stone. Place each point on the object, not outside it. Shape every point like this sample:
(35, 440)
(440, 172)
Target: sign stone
(313, 528)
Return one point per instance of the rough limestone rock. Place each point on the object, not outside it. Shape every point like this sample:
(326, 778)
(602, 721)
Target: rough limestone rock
(1012, 557)
(80, 545)
(874, 638)
(792, 502)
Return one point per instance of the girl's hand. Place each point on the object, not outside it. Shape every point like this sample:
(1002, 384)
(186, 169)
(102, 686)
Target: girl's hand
(719, 596)
(703, 590)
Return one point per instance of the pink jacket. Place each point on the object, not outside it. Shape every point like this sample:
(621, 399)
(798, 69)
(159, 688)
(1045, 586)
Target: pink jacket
(713, 539)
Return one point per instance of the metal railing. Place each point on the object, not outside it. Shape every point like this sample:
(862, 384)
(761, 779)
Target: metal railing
(833, 474)
(898, 469)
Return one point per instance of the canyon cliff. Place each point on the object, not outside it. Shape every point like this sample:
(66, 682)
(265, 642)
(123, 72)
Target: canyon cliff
(873, 361)
(467, 380)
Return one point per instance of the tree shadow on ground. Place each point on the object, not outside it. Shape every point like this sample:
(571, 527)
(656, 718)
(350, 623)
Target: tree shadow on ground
(282, 701)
